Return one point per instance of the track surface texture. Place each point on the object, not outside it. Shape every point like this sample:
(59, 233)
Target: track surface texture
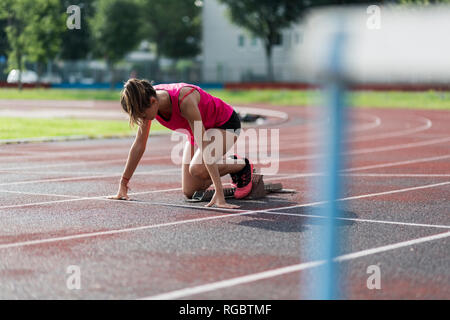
(395, 214)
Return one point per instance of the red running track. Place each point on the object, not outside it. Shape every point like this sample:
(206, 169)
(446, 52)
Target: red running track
(53, 215)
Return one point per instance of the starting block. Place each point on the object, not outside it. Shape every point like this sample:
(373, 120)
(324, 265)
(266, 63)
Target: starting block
(259, 190)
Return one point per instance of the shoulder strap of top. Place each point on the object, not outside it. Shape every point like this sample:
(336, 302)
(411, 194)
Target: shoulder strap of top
(181, 101)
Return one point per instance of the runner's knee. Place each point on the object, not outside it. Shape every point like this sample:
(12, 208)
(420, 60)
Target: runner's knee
(188, 193)
(199, 171)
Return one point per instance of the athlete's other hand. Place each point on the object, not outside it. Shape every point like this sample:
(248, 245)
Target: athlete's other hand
(220, 202)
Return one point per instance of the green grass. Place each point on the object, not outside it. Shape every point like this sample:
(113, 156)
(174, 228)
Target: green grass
(59, 94)
(396, 99)
(275, 97)
(22, 128)
(377, 99)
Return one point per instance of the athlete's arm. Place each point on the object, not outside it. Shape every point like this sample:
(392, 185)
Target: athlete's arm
(134, 156)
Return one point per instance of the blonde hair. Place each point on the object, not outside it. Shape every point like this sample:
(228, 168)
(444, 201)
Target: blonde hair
(135, 99)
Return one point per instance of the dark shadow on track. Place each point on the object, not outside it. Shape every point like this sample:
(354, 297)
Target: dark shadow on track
(291, 223)
(275, 223)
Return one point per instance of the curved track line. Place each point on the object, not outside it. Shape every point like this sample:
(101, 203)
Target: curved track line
(386, 135)
(428, 124)
(117, 150)
(287, 159)
(364, 127)
(370, 150)
(375, 124)
(283, 116)
(303, 144)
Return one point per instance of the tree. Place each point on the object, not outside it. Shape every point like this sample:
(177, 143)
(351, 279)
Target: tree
(4, 48)
(3, 40)
(33, 31)
(15, 14)
(174, 26)
(422, 2)
(116, 30)
(77, 43)
(265, 19)
(44, 29)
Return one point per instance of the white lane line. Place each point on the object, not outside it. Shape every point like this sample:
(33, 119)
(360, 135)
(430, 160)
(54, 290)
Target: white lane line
(72, 173)
(177, 294)
(305, 157)
(398, 163)
(111, 149)
(272, 212)
(40, 194)
(365, 127)
(399, 175)
(409, 224)
(157, 171)
(358, 139)
(84, 163)
(269, 210)
(82, 199)
(363, 151)
(164, 157)
(375, 166)
(234, 281)
(291, 176)
(145, 192)
(233, 213)
(104, 233)
(428, 124)
(399, 146)
(393, 246)
(395, 191)
(266, 112)
(286, 176)
(53, 154)
(67, 164)
(315, 174)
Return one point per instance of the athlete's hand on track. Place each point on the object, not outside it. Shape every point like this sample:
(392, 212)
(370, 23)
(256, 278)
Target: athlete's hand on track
(122, 194)
(220, 202)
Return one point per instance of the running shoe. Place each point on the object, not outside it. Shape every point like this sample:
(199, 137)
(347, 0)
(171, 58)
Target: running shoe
(234, 176)
(244, 181)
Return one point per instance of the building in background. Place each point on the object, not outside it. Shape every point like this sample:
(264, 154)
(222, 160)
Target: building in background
(231, 54)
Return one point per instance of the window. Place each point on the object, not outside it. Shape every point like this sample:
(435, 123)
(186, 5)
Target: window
(297, 38)
(241, 41)
(278, 39)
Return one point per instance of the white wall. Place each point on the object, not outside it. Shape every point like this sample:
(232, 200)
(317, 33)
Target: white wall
(225, 60)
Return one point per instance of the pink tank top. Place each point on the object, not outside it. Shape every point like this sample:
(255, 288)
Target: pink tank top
(214, 112)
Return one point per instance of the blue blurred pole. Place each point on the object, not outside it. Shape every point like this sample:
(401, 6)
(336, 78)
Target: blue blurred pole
(331, 183)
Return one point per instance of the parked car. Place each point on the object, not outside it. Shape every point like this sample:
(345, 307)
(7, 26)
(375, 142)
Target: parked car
(28, 76)
(51, 78)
